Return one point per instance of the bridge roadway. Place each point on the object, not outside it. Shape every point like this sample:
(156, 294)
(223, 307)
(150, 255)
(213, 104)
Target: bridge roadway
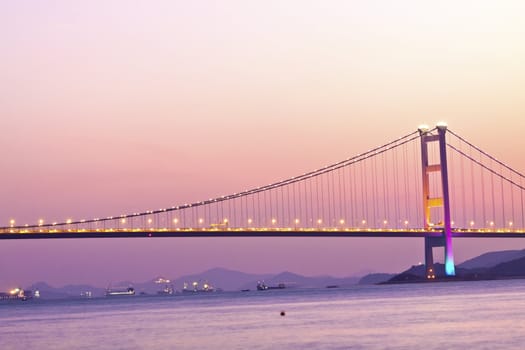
(253, 232)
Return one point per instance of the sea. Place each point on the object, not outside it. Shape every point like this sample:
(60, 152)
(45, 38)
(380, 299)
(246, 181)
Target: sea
(444, 315)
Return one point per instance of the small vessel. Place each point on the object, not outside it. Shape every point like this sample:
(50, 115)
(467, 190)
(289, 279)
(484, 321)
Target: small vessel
(19, 294)
(120, 292)
(168, 286)
(206, 287)
(86, 294)
(167, 290)
(263, 286)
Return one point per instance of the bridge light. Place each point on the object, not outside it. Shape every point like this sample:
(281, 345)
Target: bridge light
(363, 222)
(175, 220)
(201, 221)
(150, 221)
(68, 221)
(274, 221)
(40, 222)
(225, 220)
(385, 222)
(441, 124)
(491, 223)
(406, 222)
(296, 221)
(342, 221)
(511, 223)
(319, 221)
(12, 222)
(123, 221)
(423, 128)
(471, 223)
(250, 221)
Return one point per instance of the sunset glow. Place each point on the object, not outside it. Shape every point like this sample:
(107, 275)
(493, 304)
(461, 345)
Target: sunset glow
(117, 107)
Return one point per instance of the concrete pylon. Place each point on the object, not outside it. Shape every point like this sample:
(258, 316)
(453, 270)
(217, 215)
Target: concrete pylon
(436, 200)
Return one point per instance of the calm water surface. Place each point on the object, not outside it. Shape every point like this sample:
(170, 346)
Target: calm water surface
(456, 315)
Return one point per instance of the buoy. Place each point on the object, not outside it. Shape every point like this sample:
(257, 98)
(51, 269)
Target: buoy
(283, 313)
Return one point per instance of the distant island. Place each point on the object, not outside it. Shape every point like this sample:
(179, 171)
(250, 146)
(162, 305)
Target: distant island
(493, 265)
(216, 279)
(489, 266)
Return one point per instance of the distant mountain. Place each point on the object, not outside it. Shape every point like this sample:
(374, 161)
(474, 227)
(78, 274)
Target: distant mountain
(514, 268)
(375, 278)
(492, 259)
(493, 265)
(68, 291)
(228, 280)
(418, 273)
(223, 278)
(293, 280)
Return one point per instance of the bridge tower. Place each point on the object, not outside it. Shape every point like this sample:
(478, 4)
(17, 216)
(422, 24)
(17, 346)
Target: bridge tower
(436, 200)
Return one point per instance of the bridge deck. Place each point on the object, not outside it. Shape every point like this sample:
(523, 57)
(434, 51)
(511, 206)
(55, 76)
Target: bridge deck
(258, 233)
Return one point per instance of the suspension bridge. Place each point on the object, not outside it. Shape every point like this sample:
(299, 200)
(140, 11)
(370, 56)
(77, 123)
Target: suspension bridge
(431, 183)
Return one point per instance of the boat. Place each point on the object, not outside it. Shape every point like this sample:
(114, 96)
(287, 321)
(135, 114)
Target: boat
(168, 286)
(120, 292)
(86, 294)
(19, 294)
(263, 286)
(206, 287)
(167, 290)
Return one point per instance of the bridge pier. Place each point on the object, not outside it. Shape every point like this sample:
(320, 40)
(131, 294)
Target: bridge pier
(430, 243)
(436, 200)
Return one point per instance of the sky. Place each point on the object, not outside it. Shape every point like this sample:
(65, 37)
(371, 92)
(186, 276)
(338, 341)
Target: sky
(112, 107)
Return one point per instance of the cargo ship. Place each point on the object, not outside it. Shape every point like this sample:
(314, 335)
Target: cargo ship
(130, 291)
(195, 288)
(168, 286)
(19, 294)
(263, 286)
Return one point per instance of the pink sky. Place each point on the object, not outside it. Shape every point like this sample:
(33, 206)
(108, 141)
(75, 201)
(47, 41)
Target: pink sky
(110, 107)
